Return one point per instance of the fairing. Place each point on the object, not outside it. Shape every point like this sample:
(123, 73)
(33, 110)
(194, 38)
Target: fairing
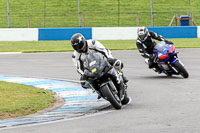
(162, 49)
(95, 65)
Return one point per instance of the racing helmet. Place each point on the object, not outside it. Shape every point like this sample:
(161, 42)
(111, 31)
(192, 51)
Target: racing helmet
(142, 33)
(78, 42)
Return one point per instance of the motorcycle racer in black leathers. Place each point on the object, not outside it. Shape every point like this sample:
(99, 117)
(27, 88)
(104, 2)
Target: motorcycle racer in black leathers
(146, 44)
(82, 48)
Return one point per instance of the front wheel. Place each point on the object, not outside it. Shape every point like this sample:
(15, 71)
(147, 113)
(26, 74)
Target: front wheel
(111, 96)
(180, 68)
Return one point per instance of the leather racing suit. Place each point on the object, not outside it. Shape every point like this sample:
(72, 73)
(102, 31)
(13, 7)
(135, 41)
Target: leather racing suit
(146, 47)
(92, 46)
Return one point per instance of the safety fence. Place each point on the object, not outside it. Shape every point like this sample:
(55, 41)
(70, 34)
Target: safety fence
(95, 13)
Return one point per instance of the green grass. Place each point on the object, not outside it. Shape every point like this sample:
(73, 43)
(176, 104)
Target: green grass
(61, 46)
(38, 46)
(19, 100)
(95, 13)
(131, 44)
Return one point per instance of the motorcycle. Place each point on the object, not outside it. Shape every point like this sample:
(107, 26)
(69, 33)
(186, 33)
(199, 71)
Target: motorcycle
(167, 59)
(106, 79)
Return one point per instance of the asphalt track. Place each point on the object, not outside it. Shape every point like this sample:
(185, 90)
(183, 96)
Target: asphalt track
(159, 103)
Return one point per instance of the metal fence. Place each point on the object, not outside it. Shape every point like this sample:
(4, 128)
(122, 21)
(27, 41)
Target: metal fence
(86, 13)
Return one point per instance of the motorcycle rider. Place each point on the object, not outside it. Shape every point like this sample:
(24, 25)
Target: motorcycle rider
(83, 47)
(146, 44)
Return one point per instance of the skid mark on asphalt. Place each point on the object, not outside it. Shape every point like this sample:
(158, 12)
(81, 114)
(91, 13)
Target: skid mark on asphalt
(78, 101)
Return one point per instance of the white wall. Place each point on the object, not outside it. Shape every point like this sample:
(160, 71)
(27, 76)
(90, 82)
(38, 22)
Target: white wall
(114, 33)
(98, 33)
(18, 34)
(198, 31)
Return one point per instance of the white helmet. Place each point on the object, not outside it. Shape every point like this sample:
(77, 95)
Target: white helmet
(142, 33)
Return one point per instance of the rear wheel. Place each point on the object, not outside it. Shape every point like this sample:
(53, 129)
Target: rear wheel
(180, 68)
(111, 96)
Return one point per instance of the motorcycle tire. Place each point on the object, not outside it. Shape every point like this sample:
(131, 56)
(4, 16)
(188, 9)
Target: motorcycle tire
(113, 98)
(180, 68)
(126, 99)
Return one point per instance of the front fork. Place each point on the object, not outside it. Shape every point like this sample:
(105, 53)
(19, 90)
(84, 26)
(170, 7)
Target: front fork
(174, 60)
(121, 87)
(112, 88)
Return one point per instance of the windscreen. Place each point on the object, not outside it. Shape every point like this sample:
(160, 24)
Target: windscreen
(160, 46)
(94, 64)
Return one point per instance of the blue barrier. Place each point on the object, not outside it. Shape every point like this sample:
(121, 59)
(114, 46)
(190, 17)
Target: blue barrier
(176, 32)
(62, 33)
(66, 33)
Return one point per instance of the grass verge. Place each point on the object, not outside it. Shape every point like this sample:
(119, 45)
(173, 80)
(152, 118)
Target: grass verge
(19, 100)
(62, 46)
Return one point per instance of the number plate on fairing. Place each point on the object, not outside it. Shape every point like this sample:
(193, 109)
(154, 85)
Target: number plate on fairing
(165, 66)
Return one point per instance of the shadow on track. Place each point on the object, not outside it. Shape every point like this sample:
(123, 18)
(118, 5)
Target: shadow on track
(162, 77)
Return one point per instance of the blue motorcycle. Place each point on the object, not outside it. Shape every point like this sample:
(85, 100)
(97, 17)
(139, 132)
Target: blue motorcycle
(168, 61)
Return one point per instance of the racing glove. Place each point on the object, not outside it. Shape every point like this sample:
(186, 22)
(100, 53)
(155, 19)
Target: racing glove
(168, 42)
(113, 60)
(83, 83)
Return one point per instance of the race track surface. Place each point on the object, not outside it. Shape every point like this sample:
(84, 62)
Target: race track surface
(159, 103)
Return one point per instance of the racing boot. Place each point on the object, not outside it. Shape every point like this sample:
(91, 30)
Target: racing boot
(159, 71)
(99, 96)
(156, 69)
